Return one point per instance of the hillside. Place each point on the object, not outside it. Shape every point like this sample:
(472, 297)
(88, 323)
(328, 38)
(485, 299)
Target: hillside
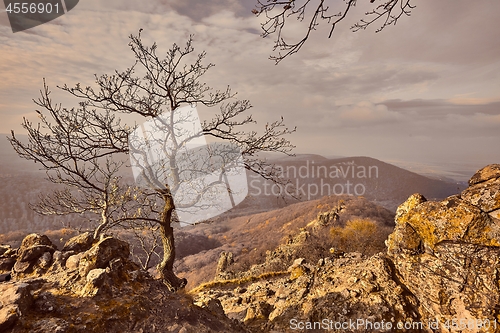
(439, 273)
(436, 271)
(249, 237)
(314, 176)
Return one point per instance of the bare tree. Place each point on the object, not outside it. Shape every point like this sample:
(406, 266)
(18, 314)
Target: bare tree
(314, 12)
(161, 90)
(78, 148)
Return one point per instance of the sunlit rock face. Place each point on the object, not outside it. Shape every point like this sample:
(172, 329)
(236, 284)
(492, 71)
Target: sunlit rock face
(447, 253)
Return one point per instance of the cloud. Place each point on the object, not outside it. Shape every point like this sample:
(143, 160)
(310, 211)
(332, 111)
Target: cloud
(432, 80)
(366, 114)
(443, 107)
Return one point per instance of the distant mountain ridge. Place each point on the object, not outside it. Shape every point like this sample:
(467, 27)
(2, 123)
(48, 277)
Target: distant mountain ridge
(314, 176)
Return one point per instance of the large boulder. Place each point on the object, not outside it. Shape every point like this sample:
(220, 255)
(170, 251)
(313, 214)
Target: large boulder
(489, 172)
(79, 243)
(34, 255)
(452, 219)
(447, 253)
(15, 300)
(102, 253)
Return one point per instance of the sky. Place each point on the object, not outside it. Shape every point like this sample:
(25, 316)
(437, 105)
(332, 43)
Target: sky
(424, 91)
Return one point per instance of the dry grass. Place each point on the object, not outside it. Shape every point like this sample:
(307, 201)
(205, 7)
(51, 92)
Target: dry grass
(247, 279)
(360, 235)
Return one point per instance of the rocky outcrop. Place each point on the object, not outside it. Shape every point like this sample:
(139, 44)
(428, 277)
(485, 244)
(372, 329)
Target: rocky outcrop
(347, 288)
(33, 256)
(225, 260)
(441, 273)
(448, 253)
(94, 288)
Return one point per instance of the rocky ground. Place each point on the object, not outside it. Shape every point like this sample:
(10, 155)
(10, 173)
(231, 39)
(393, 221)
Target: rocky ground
(92, 287)
(440, 273)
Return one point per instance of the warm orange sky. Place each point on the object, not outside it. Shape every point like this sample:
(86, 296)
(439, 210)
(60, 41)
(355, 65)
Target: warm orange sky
(426, 90)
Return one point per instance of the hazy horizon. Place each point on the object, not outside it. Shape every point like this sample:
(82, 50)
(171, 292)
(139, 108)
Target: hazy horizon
(460, 172)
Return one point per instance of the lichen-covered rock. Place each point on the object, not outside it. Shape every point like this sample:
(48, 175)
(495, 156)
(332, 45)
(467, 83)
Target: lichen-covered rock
(15, 300)
(73, 261)
(59, 260)
(452, 219)
(7, 263)
(442, 267)
(45, 260)
(258, 312)
(7, 258)
(34, 240)
(113, 297)
(102, 253)
(98, 281)
(459, 281)
(225, 260)
(404, 238)
(447, 253)
(495, 215)
(79, 243)
(491, 171)
(8, 317)
(413, 201)
(485, 195)
(338, 289)
(33, 247)
(5, 249)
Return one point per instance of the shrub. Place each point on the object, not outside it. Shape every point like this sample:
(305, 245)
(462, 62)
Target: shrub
(360, 235)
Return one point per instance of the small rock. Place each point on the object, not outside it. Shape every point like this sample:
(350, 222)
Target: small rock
(258, 311)
(96, 276)
(73, 261)
(45, 260)
(8, 317)
(102, 253)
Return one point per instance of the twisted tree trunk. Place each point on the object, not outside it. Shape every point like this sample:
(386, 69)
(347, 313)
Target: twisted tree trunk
(166, 266)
